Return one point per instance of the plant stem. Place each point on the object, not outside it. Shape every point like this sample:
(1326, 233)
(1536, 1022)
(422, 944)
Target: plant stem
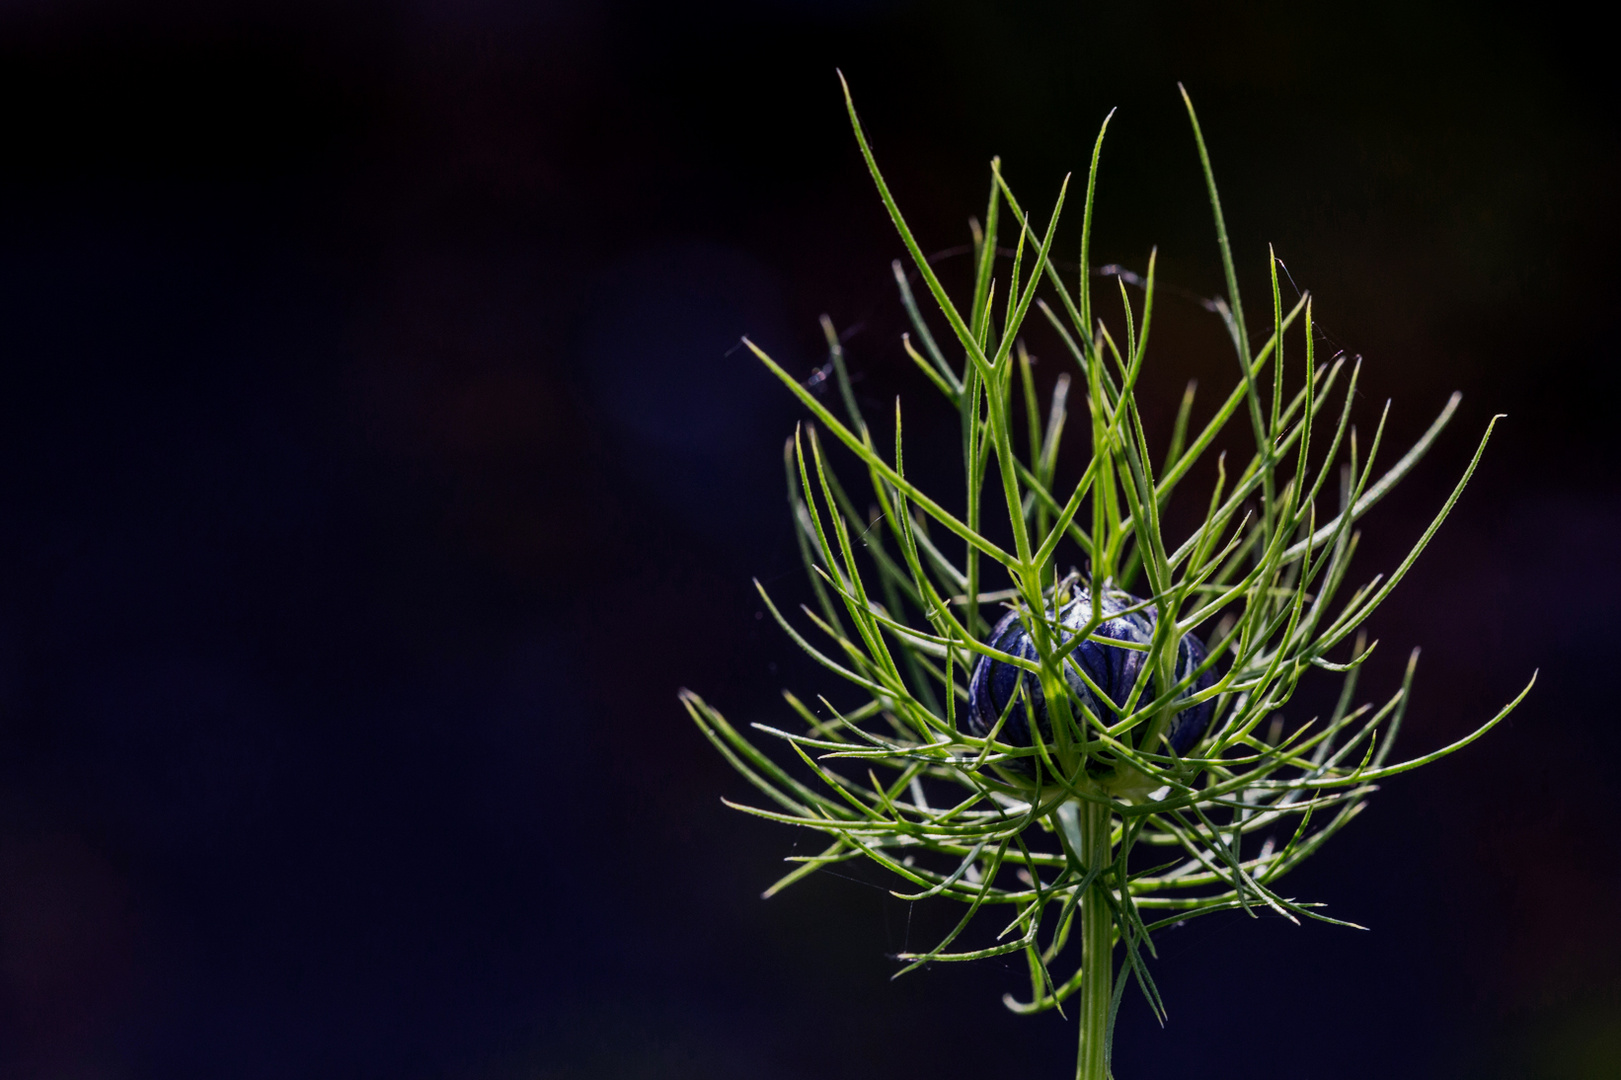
(1097, 947)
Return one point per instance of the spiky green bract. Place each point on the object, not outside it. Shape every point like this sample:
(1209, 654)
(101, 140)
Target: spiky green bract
(1103, 835)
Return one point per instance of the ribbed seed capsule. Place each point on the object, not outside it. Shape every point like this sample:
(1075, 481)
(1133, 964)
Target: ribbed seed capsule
(1112, 669)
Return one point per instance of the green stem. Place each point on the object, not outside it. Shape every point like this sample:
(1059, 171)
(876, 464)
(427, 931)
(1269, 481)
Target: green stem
(1097, 947)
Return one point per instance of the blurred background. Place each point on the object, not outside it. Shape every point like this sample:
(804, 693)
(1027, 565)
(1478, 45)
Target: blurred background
(377, 464)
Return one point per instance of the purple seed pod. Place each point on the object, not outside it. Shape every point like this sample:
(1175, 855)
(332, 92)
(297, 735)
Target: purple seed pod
(1112, 669)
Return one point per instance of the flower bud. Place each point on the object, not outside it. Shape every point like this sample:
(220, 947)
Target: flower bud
(1112, 669)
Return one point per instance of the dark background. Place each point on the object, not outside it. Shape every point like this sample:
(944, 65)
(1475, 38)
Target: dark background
(375, 465)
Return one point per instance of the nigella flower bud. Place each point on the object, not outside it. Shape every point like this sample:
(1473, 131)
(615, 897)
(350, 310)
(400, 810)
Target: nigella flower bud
(1112, 669)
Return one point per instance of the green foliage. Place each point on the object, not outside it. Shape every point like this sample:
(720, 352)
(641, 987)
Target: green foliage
(1105, 826)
